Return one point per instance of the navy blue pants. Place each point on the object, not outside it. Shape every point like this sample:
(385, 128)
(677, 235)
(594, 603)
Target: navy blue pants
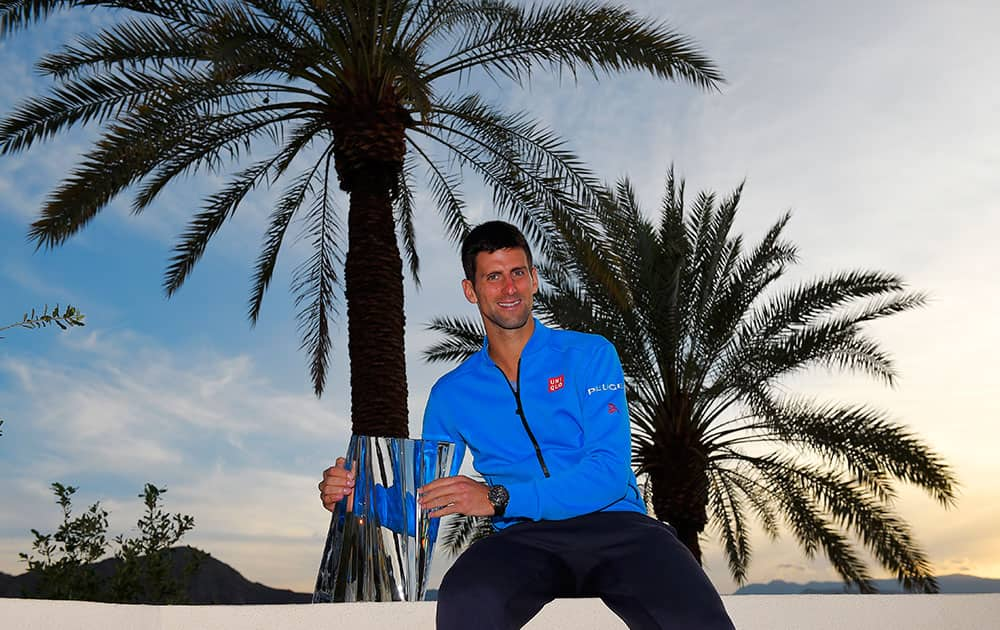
(634, 563)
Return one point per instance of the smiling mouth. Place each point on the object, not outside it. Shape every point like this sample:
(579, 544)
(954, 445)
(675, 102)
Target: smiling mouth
(509, 304)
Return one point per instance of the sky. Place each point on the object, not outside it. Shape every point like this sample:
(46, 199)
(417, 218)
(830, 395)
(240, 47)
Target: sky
(876, 124)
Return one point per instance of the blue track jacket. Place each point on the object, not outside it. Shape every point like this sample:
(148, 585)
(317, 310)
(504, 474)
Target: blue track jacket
(558, 439)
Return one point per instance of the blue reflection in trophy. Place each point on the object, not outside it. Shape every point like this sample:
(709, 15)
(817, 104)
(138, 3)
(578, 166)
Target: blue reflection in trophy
(380, 543)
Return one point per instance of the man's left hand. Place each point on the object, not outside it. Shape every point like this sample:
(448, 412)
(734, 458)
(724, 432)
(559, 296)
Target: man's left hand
(456, 495)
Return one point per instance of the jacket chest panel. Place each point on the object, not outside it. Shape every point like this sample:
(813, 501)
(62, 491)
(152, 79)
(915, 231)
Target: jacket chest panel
(551, 405)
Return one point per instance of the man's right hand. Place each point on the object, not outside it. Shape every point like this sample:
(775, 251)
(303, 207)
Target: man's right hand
(337, 483)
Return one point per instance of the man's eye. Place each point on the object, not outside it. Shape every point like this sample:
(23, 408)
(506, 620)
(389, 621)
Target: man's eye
(493, 276)
(519, 272)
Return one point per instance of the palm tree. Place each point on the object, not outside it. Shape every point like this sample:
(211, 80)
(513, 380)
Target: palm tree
(370, 88)
(705, 340)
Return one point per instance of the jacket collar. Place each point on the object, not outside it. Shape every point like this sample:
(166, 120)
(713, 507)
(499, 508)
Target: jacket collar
(539, 338)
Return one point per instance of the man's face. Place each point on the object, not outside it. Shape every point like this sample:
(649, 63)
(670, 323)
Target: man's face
(503, 288)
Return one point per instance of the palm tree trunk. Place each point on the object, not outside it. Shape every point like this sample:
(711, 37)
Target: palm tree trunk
(373, 285)
(680, 494)
(369, 149)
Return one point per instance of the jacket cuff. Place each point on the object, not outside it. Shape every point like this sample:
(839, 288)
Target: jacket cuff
(523, 501)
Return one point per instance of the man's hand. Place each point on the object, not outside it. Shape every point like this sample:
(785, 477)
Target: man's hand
(456, 495)
(337, 483)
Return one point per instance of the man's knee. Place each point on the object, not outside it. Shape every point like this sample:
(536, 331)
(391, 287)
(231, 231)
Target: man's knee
(499, 583)
(473, 590)
(653, 580)
(493, 601)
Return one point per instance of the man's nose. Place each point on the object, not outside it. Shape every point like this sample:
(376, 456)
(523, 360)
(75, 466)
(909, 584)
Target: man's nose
(508, 285)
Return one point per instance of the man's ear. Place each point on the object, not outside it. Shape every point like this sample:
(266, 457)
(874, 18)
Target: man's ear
(534, 280)
(470, 291)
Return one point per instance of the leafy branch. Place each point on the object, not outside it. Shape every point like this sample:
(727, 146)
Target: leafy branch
(65, 319)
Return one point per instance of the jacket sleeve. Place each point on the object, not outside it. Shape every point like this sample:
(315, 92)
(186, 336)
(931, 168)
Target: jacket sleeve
(438, 427)
(603, 475)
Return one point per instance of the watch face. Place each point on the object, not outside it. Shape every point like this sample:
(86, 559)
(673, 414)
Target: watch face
(498, 496)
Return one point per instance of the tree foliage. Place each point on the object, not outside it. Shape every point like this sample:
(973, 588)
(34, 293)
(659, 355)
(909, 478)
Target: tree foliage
(64, 561)
(367, 94)
(707, 339)
(65, 558)
(145, 572)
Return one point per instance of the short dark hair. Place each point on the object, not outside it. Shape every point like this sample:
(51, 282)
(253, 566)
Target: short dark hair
(489, 237)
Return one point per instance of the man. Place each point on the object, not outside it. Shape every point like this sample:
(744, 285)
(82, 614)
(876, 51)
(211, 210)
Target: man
(545, 416)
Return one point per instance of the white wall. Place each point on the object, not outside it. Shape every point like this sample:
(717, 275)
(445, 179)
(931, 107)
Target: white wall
(750, 612)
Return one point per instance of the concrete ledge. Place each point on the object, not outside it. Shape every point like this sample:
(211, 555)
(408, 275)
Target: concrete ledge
(750, 612)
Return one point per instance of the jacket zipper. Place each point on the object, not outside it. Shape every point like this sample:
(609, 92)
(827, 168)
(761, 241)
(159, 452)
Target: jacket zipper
(524, 421)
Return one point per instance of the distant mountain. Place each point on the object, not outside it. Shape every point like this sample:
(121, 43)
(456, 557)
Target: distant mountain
(215, 582)
(956, 583)
(8, 584)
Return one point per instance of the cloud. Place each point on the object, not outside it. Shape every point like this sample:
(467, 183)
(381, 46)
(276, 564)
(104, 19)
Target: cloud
(791, 567)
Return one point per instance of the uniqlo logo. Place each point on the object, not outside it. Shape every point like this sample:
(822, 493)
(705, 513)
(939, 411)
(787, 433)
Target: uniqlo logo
(556, 383)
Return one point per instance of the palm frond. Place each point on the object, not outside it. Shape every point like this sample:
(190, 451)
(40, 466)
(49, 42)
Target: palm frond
(316, 286)
(727, 513)
(461, 531)
(886, 535)
(802, 305)
(207, 223)
(219, 143)
(80, 101)
(17, 15)
(587, 35)
(860, 439)
(139, 43)
(281, 217)
(536, 181)
(464, 338)
(444, 188)
(403, 211)
(811, 528)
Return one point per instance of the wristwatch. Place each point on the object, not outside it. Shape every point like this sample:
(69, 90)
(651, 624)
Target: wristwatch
(499, 497)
